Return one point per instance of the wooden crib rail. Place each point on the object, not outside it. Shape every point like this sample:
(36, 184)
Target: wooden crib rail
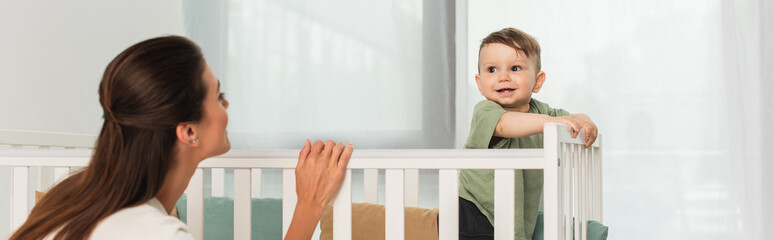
(396, 163)
(572, 183)
(21, 174)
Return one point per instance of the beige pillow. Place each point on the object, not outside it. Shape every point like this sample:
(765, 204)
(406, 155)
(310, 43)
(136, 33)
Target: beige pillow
(368, 222)
(39, 195)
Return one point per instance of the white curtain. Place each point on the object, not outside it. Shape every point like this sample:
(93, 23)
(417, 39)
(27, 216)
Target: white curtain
(766, 85)
(378, 74)
(374, 73)
(677, 90)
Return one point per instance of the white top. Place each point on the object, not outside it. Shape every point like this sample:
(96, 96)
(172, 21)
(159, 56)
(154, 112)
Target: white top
(147, 221)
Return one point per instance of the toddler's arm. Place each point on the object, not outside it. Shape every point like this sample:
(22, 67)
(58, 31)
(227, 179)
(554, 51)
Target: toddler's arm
(518, 124)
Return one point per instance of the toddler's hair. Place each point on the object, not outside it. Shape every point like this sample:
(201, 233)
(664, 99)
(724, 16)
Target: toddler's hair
(516, 39)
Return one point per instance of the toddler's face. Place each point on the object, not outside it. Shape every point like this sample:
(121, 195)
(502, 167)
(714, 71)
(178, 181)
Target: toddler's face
(507, 76)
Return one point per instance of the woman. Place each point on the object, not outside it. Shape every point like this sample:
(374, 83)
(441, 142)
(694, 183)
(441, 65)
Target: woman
(164, 113)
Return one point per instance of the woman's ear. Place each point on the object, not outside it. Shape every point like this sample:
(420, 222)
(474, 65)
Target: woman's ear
(538, 82)
(187, 133)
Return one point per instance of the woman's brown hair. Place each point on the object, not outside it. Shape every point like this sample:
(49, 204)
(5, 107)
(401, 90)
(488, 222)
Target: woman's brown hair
(145, 92)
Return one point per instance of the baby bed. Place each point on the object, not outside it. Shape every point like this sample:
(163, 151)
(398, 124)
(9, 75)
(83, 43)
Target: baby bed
(572, 185)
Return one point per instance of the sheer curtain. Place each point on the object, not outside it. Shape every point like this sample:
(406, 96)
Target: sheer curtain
(766, 166)
(378, 74)
(677, 90)
(374, 73)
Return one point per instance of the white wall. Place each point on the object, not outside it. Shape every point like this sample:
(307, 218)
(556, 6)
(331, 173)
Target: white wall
(53, 54)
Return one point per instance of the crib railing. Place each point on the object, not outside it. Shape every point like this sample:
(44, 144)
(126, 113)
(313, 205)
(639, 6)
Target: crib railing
(572, 184)
(41, 173)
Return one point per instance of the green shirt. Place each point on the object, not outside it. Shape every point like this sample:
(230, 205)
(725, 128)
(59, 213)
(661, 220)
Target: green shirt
(477, 186)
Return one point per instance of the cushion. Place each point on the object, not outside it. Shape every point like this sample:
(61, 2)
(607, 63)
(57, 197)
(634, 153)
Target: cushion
(368, 222)
(596, 230)
(219, 217)
(39, 195)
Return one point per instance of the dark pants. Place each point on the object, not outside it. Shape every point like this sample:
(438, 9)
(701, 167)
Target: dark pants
(473, 225)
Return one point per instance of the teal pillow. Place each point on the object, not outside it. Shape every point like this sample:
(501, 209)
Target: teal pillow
(219, 217)
(596, 230)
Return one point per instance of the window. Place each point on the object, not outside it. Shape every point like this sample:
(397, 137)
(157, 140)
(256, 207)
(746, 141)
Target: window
(378, 74)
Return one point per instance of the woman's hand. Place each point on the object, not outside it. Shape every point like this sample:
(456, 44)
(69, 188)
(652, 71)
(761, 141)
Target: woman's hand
(320, 171)
(318, 176)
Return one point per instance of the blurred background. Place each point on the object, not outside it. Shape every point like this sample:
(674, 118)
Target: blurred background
(680, 89)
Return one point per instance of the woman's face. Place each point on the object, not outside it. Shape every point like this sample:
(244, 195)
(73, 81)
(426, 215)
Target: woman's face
(213, 137)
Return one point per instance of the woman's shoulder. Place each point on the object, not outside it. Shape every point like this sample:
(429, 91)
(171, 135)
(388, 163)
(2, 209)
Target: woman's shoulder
(145, 221)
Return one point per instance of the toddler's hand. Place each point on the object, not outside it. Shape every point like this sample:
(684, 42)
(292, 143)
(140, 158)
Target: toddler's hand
(571, 122)
(591, 132)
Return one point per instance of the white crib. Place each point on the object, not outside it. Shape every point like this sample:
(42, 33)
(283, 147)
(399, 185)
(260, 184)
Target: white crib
(572, 188)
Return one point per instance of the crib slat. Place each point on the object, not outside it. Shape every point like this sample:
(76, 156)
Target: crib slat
(195, 203)
(218, 182)
(19, 205)
(39, 175)
(581, 204)
(599, 181)
(242, 204)
(561, 213)
(578, 230)
(257, 182)
(395, 205)
(567, 196)
(448, 202)
(370, 183)
(575, 191)
(552, 184)
(504, 204)
(591, 188)
(594, 183)
(411, 187)
(7, 173)
(588, 185)
(43, 181)
(48, 178)
(289, 199)
(586, 203)
(60, 173)
(584, 184)
(342, 210)
(34, 182)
